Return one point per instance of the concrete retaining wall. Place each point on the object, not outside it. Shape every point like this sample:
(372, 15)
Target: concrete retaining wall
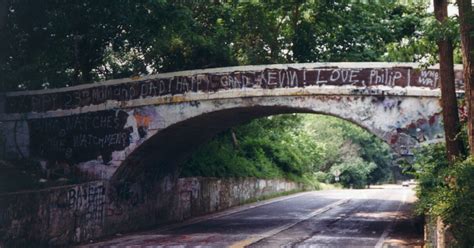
(79, 213)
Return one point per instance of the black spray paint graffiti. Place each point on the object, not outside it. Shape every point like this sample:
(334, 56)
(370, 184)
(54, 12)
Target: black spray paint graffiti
(87, 201)
(81, 137)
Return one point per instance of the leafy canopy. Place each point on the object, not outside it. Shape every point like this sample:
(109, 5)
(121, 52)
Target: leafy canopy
(53, 43)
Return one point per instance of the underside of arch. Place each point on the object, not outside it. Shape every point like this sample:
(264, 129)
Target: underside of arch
(162, 153)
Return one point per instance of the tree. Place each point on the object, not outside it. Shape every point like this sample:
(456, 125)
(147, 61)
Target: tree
(422, 46)
(448, 90)
(298, 147)
(52, 43)
(55, 43)
(466, 19)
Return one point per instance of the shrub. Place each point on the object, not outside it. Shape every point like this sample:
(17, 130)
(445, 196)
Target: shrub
(447, 191)
(455, 203)
(293, 147)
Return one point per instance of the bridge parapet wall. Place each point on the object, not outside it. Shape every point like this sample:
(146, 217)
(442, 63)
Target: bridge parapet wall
(172, 87)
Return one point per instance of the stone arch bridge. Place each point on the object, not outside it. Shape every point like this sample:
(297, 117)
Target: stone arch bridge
(123, 128)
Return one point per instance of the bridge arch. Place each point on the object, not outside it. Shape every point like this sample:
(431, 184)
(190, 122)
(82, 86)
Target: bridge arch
(101, 127)
(391, 118)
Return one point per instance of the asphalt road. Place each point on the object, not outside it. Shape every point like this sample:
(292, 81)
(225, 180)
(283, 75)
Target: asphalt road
(376, 217)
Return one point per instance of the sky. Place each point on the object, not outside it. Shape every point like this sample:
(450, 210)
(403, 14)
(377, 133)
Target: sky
(452, 9)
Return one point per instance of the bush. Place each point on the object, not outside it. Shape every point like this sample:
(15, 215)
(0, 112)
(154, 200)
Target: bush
(301, 148)
(455, 203)
(323, 176)
(430, 167)
(354, 173)
(447, 191)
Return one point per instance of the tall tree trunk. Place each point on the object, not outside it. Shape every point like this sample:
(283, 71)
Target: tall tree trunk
(448, 90)
(466, 19)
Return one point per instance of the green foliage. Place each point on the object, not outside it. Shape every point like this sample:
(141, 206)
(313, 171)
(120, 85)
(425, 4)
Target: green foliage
(447, 191)
(421, 45)
(346, 143)
(304, 148)
(430, 166)
(321, 176)
(47, 44)
(457, 202)
(354, 172)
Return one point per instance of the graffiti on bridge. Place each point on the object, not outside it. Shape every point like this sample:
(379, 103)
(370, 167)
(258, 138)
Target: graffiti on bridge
(87, 201)
(81, 137)
(212, 82)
